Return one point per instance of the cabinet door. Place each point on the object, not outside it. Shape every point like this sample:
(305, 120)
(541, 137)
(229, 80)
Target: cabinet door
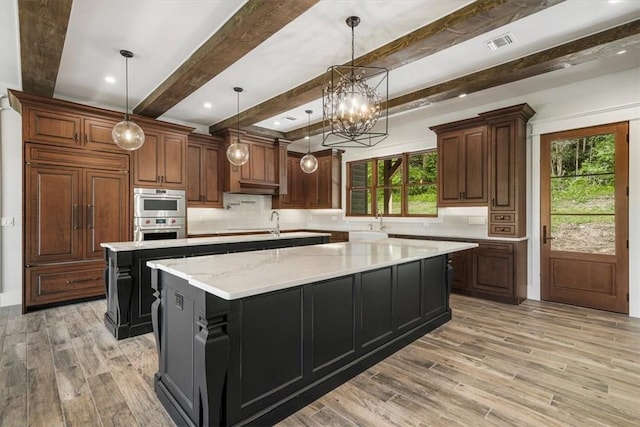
(503, 166)
(458, 261)
(53, 127)
(449, 170)
(97, 135)
(106, 203)
(173, 161)
(257, 162)
(195, 192)
(211, 162)
(145, 162)
(493, 271)
(473, 157)
(53, 214)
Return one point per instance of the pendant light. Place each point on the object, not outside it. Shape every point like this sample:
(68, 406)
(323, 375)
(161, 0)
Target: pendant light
(309, 163)
(238, 153)
(354, 99)
(126, 134)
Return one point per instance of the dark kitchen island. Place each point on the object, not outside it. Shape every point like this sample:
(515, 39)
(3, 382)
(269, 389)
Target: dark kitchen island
(128, 279)
(249, 338)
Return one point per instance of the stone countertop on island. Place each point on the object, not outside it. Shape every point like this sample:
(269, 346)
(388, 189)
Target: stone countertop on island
(197, 241)
(239, 275)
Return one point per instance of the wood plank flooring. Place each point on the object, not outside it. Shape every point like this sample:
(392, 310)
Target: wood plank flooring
(537, 364)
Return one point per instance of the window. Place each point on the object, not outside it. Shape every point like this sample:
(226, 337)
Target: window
(401, 185)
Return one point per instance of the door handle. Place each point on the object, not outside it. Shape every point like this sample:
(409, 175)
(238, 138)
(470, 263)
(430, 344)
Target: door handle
(90, 216)
(544, 235)
(74, 216)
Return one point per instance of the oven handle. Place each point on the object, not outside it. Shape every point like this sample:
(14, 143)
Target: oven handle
(159, 229)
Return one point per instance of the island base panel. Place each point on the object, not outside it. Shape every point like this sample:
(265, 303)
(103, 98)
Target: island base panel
(227, 353)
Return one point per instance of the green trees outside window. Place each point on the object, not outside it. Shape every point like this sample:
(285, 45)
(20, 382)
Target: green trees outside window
(401, 185)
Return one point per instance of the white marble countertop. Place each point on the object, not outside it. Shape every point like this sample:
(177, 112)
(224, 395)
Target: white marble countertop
(197, 241)
(239, 275)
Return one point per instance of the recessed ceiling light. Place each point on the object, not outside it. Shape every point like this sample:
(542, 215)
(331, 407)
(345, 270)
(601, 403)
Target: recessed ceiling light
(622, 51)
(207, 105)
(462, 95)
(306, 137)
(110, 79)
(276, 123)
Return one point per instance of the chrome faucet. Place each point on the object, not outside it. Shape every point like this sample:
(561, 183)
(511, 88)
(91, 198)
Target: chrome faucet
(276, 231)
(379, 216)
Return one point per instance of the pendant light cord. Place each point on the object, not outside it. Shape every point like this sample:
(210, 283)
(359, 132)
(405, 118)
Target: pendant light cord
(126, 87)
(238, 116)
(309, 133)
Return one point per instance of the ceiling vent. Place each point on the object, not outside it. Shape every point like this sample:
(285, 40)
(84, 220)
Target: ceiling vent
(293, 119)
(501, 41)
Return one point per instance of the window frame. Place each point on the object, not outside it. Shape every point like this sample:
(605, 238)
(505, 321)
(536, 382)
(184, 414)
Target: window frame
(374, 186)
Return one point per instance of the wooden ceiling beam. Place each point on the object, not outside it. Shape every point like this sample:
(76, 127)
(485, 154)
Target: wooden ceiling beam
(464, 24)
(43, 29)
(255, 22)
(597, 46)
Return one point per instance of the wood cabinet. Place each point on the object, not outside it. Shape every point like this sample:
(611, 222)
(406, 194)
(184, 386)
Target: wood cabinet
(266, 170)
(318, 190)
(508, 169)
(483, 161)
(462, 166)
(204, 170)
(162, 161)
(73, 202)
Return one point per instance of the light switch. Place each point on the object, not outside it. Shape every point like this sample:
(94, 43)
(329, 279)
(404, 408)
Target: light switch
(7, 221)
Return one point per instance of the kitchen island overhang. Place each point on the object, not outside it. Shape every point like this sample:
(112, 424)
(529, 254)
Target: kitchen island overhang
(250, 338)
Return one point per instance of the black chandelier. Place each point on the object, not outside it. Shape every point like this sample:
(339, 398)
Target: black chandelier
(352, 104)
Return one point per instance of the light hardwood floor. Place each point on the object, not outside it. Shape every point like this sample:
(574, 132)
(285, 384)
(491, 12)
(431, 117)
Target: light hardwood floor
(537, 364)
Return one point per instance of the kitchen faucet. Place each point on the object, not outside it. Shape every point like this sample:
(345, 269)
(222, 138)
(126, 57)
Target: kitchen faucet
(277, 229)
(379, 215)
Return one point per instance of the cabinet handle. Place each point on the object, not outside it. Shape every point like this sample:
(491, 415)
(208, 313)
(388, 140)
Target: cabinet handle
(92, 279)
(86, 138)
(74, 218)
(90, 216)
(75, 137)
(493, 202)
(159, 178)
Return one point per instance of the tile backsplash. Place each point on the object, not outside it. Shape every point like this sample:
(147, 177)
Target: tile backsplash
(253, 212)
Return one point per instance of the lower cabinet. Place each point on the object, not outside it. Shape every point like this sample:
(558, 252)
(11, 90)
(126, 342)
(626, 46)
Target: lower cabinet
(495, 270)
(53, 283)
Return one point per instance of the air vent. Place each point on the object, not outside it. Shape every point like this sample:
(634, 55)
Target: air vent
(293, 119)
(501, 41)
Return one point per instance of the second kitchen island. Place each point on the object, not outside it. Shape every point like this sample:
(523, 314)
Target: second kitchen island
(250, 338)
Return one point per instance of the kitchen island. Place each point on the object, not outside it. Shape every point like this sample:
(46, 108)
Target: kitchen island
(128, 279)
(250, 338)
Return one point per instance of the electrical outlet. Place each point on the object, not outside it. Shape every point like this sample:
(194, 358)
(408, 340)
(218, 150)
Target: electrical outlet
(7, 221)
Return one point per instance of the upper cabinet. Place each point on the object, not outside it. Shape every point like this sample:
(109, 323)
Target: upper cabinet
(507, 169)
(162, 160)
(482, 162)
(318, 190)
(462, 167)
(266, 170)
(204, 170)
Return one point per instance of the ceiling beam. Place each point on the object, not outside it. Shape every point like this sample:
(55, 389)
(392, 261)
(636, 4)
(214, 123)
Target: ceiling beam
(597, 46)
(43, 28)
(464, 24)
(255, 22)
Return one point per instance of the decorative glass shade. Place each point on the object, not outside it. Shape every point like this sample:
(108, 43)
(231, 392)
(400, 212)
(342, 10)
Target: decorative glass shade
(352, 103)
(128, 135)
(238, 153)
(309, 163)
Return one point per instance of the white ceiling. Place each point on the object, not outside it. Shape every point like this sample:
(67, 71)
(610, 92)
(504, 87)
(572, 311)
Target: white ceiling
(163, 33)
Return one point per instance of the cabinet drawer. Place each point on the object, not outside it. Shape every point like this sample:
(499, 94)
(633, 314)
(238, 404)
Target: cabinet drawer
(503, 217)
(45, 154)
(496, 246)
(67, 282)
(503, 229)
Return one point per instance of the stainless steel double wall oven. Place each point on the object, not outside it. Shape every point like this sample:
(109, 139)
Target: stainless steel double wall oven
(159, 214)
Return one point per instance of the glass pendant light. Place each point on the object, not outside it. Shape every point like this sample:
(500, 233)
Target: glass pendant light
(127, 134)
(238, 153)
(309, 163)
